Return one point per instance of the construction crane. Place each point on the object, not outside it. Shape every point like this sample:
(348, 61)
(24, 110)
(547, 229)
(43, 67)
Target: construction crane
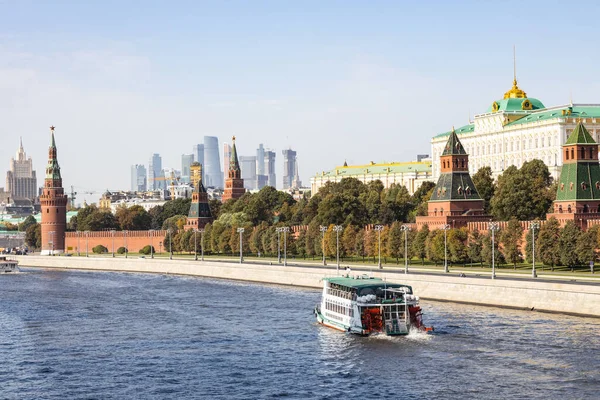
(72, 197)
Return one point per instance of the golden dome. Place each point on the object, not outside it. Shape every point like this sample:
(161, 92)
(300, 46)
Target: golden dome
(515, 92)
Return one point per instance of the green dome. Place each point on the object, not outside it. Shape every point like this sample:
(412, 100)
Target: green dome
(513, 104)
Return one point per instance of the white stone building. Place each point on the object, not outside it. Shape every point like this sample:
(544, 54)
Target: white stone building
(518, 129)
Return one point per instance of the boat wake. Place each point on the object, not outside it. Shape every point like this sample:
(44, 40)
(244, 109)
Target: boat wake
(419, 335)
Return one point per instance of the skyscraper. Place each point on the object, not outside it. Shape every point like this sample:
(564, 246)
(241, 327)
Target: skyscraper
(21, 181)
(270, 168)
(213, 176)
(186, 163)
(248, 165)
(226, 157)
(261, 178)
(199, 154)
(289, 168)
(156, 179)
(138, 178)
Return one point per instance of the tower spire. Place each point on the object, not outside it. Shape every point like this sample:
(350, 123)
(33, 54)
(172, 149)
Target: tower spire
(514, 64)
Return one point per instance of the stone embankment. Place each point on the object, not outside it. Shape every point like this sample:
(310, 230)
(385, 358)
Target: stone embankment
(578, 298)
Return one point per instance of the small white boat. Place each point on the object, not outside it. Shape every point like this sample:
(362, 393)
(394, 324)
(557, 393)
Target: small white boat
(7, 265)
(365, 306)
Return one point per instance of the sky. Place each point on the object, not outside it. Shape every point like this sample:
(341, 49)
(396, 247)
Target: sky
(333, 80)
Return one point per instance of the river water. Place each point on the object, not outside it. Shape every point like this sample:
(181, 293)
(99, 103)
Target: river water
(84, 335)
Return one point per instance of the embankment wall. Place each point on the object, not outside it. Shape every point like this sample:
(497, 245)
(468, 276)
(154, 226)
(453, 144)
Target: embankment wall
(563, 297)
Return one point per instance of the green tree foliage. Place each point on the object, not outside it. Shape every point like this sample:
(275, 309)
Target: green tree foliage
(91, 218)
(484, 182)
(348, 240)
(359, 243)
(121, 250)
(457, 246)
(524, 193)
(586, 245)
(134, 218)
(511, 241)
(486, 249)
(29, 221)
(567, 243)
(146, 250)
(33, 236)
(99, 249)
(529, 245)
(174, 223)
(548, 241)
(395, 242)
(475, 246)
(435, 246)
(419, 245)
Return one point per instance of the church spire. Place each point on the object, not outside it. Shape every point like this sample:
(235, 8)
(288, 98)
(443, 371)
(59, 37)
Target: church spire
(234, 165)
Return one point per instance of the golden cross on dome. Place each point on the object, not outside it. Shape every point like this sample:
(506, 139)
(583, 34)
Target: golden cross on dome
(233, 138)
(52, 128)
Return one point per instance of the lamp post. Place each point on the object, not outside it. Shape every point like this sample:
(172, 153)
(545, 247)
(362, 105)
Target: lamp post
(533, 226)
(493, 226)
(405, 228)
(87, 237)
(285, 230)
(323, 229)
(202, 243)
(195, 244)
(241, 231)
(78, 245)
(278, 230)
(151, 233)
(125, 240)
(445, 227)
(170, 244)
(112, 232)
(379, 228)
(337, 229)
(51, 243)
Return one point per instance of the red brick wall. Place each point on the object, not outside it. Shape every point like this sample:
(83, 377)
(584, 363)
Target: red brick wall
(136, 240)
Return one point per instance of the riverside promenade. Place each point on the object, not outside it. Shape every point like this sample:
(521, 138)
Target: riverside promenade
(548, 294)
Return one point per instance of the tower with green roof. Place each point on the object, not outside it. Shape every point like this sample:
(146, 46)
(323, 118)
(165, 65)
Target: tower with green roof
(578, 192)
(455, 199)
(199, 215)
(234, 184)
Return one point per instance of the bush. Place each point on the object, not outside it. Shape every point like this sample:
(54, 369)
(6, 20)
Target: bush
(148, 250)
(122, 250)
(99, 249)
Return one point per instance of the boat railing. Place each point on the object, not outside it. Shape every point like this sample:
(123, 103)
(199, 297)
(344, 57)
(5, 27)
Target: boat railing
(341, 293)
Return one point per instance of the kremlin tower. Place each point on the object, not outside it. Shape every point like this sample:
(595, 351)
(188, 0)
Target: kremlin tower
(53, 201)
(199, 214)
(234, 184)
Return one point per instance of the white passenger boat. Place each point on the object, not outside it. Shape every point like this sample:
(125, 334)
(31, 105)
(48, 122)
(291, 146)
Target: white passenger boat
(7, 265)
(364, 305)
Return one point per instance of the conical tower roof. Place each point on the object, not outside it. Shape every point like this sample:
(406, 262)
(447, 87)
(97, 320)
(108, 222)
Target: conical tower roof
(580, 135)
(52, 169)
(454, 146)
(234, 165)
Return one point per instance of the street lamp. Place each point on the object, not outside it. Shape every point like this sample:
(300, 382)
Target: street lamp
(379, 228)
(202, 243)
(78, 246)
(241, 231)
(170, 244)
(195, 244)
(278, 230)
(125, 239)
(285, 230)
(51, 243)
(87, 237)
(323, 229)
(445, 227)
(493, 226)
(533, 226)
(112, 232)
(405, 228)
(151, 233)
(337, 229)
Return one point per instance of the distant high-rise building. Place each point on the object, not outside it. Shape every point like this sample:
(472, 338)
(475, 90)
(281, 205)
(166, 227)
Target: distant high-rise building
(226, 157)
(296, 182)
(261, 178)
(213, 176)
(289, 168)
(156, 177)
(248, 165)
(199, 154)
(21, 181)
(186, 163)
(138, 178)
(270, 168)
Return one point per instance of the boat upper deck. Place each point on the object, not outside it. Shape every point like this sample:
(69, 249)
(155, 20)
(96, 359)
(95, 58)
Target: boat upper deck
(362, 284)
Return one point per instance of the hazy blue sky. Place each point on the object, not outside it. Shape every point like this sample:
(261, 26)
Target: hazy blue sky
(335, 80)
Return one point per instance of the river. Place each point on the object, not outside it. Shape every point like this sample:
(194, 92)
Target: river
(82, 335)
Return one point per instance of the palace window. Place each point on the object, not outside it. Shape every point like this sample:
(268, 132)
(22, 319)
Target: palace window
(567, 154)
(572, 153)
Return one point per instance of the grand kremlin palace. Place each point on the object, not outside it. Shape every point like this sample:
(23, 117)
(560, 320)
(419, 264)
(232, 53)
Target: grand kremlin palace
(516, 129)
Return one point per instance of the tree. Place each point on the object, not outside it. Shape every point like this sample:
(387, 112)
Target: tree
(457, 245)
(586, 245)
(567, 243)
(134, 218)
(529, 246)
(33, 236)
(99, 249)
(511, 240)
(29, 221)
(146, 250)
(419, 245)
(435, 246)
(486, 250)
(359, 243)
(475, 246)
(484, 183)
(395, 243)
(547, 243)
(348, 240)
